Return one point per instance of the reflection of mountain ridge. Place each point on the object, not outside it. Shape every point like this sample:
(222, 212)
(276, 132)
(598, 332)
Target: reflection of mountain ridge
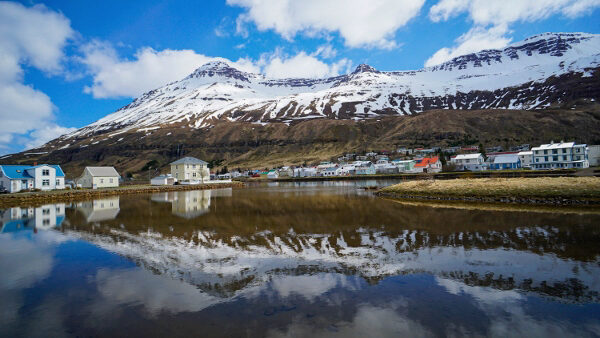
(226, 267)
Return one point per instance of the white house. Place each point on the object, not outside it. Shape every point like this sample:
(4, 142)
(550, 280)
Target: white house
(563, 155)
(305, 172)
(190, 169)
(100, 210)
(332, 171)
(472, 162)
(506, 162)
(39, 218)
(163, 180)
(273, 174)
(99, 177)
(526, 158)
(15, 178)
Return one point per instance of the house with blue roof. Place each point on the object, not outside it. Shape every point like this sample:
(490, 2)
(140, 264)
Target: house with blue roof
(15, 178)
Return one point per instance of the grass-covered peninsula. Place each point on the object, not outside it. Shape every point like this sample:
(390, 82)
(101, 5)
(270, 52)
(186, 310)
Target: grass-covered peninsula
(546, 190)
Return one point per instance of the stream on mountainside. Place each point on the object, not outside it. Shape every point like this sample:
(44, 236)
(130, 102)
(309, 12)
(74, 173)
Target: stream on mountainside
(296, 259)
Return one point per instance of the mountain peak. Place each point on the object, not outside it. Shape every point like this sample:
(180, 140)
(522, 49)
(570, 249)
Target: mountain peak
(219, 68)
(364, 68)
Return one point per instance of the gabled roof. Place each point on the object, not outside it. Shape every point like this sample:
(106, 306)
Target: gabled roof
(524, 153)
(103, 171)
(189, 160)
(427, 161)
(20, 171)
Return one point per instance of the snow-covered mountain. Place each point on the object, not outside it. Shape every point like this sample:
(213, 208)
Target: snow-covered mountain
(522, 76)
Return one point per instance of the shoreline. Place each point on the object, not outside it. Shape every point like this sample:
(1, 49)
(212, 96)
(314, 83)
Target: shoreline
(439, 176)
(41, 197)
(565, 191)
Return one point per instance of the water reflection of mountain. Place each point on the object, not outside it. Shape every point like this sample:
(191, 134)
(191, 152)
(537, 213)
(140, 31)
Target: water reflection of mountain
(29, 218)
(100, 210)
(247, 241)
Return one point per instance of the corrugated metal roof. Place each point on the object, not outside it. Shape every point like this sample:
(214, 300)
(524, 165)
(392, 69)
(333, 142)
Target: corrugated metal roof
(103, 171)
(500, 159)
(20, 171)
(555, 146)
(189, 160)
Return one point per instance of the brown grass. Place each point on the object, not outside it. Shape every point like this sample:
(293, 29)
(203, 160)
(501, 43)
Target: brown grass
(547, 187)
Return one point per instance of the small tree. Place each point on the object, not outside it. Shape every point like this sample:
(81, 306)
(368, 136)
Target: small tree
(482, 151)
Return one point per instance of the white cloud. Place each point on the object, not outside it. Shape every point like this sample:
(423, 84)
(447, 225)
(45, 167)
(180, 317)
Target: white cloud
(485, 12)
(29, 36)
(115, 77)
(47, 133)
(303, 65)
(492, 20)
(474, 40)
(360, 23)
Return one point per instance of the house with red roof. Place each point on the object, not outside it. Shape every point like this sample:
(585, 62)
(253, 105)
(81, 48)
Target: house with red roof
(428, 165)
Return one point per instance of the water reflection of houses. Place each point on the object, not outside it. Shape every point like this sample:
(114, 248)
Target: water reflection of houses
(100, 210)
(186, 204)
(45, 217)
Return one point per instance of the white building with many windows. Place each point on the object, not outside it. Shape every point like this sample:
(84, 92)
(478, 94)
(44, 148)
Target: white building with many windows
(562, 155)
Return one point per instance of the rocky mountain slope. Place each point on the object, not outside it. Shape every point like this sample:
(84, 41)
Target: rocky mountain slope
(221, 112)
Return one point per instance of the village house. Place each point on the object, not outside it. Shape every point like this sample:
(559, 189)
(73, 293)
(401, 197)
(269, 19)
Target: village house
(286, 172)
(332, 171)
(404, 165)
(99, 177)
(166, 179)
(562, 155)
(16, 178)
(305, 172)
(472, 162)
(272, 174)
(371, 154)
(506, 162)
(190, 169)
(428, 165)
(365, 168)
(526, 158)
(100, 210)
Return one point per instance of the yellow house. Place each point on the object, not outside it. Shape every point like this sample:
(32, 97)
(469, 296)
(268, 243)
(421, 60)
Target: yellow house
(190, 169)
(99, 177)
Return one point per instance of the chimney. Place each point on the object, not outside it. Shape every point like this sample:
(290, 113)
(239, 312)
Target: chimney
(34, 164)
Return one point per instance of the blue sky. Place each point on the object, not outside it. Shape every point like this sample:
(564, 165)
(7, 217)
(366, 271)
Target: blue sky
(68, 63)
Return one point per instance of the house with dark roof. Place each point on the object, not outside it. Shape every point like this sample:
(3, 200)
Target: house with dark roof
(16, 178)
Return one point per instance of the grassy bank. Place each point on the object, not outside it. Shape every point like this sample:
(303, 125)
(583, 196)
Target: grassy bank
(545, 190)
(34, 198)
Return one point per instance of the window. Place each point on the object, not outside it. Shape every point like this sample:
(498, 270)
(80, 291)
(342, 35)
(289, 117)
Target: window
(57, 182)
(45, 211)
(545, 158)
(111, 180)
(537, 159)
(564, 150)
(101, 180)
(555, 151)
(46, 183)
(193, 166)
(545, 152)
(45, 172)
(554, 158)
(194, 174)
(46, 222)
(578, 149)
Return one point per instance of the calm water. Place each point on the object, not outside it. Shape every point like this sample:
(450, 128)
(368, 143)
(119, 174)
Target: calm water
(321, 259)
